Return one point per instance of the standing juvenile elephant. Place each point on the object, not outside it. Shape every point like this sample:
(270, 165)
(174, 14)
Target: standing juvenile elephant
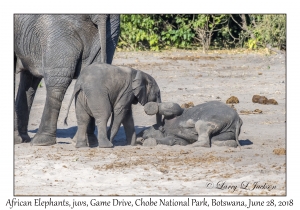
(56, 47)
(103, 90)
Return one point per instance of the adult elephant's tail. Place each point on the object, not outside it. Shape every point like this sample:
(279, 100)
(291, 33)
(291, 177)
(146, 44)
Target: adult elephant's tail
(239, 124)
(77, 88)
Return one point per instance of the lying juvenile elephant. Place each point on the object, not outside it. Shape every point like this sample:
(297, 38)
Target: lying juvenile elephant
(211, 122)
(103, 90)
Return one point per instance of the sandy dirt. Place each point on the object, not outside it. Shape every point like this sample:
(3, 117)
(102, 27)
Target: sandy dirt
(259, 168)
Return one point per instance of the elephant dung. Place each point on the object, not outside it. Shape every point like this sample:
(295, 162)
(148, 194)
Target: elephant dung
(263, 100)
(255, 98)
(187, 105)
(256, 111)
(272, 101)
(279, 151)
(232, 100)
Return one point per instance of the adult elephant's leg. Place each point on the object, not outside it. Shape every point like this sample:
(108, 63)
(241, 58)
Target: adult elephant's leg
(46, 134)
(27, 89)
(129, 128)
(60, 58)
(17, 137)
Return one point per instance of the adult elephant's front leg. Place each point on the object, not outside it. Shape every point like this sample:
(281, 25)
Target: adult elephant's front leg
(46, 134)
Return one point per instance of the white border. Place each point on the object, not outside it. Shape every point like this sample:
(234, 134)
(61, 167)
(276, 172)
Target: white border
(156, 7)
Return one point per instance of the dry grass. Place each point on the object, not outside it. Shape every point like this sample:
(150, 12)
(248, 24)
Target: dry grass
(192, 58)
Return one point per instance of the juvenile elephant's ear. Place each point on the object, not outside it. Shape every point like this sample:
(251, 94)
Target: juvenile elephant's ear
(139, 88)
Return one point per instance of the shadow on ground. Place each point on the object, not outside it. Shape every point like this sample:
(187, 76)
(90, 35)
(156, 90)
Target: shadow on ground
(62, 133)
(245, 142)
(119, 140)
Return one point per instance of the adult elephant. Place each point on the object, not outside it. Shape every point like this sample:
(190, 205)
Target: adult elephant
(56, 47)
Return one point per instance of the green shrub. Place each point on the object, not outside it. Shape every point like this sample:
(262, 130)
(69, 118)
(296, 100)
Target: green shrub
(155, 32)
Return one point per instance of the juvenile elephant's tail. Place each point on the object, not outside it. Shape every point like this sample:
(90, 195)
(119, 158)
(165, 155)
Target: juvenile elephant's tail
(76, 89)
(239, 124)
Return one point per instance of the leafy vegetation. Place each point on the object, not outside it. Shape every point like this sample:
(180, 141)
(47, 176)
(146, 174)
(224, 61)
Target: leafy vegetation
(205, 31)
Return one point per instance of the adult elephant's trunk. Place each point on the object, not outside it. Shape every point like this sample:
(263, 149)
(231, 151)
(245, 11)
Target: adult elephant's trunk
(100, 21)
(158, 116)
(102, 34)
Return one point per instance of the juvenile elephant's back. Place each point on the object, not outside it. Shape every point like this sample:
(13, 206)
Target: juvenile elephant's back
(104, 71)
(212, 111)
(108, 79)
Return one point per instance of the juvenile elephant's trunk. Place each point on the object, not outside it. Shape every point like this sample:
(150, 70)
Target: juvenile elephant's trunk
(158, 116)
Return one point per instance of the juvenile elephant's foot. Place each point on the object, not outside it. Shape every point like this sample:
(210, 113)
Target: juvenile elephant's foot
(81, 144)
(201, 144)
(43, 140)
(151, 142)
(105, 143)
(74, 139)
(228, 143)
(93, 141)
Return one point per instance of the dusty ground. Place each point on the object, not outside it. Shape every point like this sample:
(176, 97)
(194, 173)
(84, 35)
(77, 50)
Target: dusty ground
(183, 76)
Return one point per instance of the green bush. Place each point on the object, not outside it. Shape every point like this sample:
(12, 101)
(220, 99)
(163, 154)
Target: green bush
(269, 30)
(187, 31)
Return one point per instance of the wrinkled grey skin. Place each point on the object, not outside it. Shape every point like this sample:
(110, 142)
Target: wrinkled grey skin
(56, 47)
(211, 122)
(103, 90)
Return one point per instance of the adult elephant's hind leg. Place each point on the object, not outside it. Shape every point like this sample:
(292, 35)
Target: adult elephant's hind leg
(46, 134)
(57, 80)
(26, 92)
